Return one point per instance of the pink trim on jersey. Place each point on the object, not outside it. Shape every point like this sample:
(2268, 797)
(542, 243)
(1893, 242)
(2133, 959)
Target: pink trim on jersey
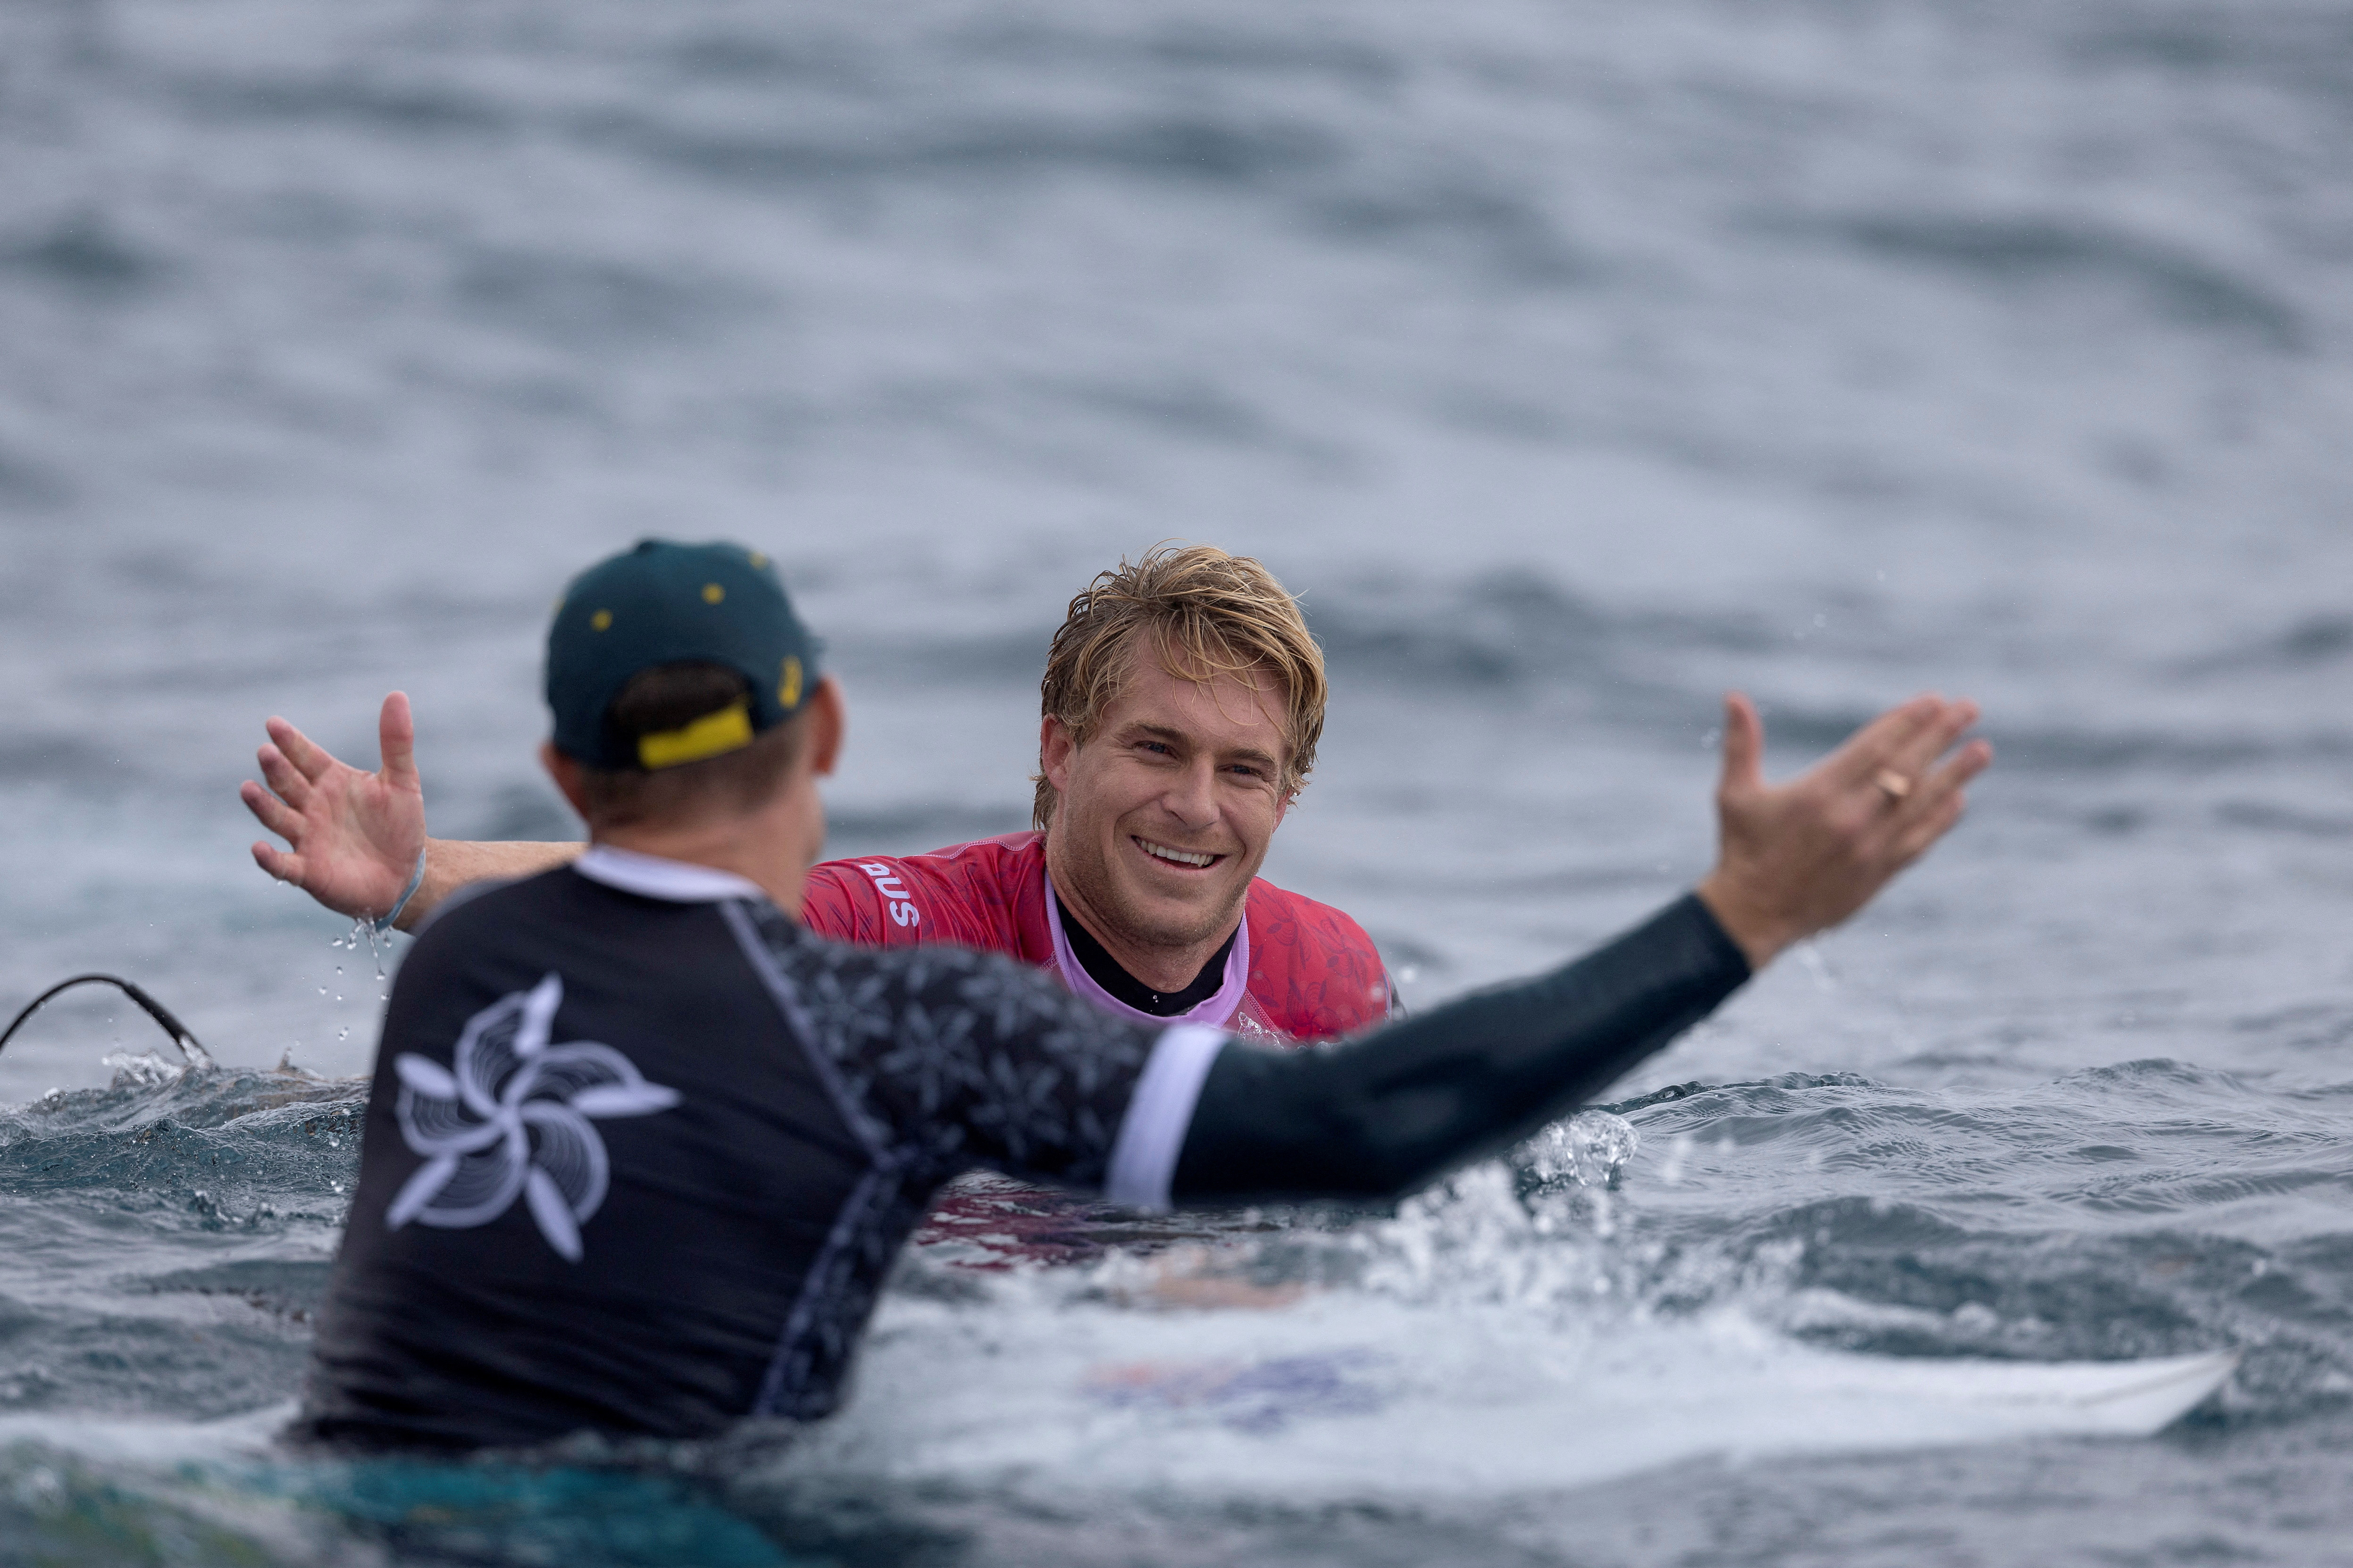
(1214, 1012)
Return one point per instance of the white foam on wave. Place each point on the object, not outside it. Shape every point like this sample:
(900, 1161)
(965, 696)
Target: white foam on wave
(149, 1443)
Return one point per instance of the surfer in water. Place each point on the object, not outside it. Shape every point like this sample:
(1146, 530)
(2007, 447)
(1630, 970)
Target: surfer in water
(1153, 807)
(640, 1146)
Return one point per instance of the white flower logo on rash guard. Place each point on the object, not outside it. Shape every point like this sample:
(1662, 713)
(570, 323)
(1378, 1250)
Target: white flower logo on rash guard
(512, 1119)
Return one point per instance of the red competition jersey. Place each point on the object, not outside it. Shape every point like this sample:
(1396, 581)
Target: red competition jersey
(1313, 973)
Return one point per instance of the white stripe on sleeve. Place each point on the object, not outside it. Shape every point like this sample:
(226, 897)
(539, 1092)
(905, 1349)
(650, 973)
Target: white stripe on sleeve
(1160, 1112)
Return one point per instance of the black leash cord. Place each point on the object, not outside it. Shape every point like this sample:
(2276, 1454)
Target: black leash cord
(193, 1054)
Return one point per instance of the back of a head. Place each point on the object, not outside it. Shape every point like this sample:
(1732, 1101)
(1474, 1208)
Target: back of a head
(677, 674)
(1204, 613)
(668, 701)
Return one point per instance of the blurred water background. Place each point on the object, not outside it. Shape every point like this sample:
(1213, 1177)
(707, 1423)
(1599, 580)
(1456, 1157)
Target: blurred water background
(1575, 360)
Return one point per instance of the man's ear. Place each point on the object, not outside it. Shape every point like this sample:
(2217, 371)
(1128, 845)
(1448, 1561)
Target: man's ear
(1055, 749)
(566, 774)
(828, 722)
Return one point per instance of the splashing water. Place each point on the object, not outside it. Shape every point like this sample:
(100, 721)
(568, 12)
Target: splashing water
(1590, 1148)
(143, 1069)
(364, 932)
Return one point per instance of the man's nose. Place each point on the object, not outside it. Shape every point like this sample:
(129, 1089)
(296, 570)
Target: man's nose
(1192, 798)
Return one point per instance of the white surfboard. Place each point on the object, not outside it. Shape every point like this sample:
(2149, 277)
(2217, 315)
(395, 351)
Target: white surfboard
(2093, 1399)
(1337, 1398)
(1975, 1398)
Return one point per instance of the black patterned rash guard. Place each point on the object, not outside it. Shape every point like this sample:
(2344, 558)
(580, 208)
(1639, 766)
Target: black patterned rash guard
(640, 1150)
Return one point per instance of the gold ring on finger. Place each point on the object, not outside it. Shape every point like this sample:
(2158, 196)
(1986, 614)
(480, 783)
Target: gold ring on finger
(1893, 784)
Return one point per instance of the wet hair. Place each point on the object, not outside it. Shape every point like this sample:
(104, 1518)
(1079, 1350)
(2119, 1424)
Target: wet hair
(1206, 614)
(670, 697)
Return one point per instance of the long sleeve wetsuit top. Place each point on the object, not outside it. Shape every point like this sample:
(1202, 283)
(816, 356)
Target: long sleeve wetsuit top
(639, 1149)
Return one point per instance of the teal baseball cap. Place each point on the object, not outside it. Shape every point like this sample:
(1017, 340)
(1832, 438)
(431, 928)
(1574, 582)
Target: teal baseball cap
(666, 603)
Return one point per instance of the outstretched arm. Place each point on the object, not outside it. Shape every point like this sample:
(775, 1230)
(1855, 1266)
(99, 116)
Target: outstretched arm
(1401, 1106)
(1398, 1106)
(353, 837)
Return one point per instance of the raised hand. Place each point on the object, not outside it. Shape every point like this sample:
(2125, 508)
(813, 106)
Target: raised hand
(352, 836)
(1799, 857)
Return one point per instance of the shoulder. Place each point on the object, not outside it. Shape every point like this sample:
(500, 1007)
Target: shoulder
(476, 907)
(958, 1057)
(488, 938)
(1315, 973)
(978, 893)
(546, 917)
(947, 994)
(1305, 928)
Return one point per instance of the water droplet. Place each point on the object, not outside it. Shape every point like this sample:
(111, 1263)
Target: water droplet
(1599, 1145)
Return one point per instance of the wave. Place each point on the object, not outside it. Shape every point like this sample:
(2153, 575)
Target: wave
(2042, 251)
(1732, 1248)
(84, 251)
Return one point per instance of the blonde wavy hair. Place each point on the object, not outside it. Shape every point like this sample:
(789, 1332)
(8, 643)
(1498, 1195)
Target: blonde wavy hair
(1208, 614)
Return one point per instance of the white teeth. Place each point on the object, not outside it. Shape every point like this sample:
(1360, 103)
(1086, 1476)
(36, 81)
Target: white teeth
(1182, 859)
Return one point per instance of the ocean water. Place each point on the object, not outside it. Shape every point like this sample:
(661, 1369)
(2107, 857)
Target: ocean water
(1577, 363)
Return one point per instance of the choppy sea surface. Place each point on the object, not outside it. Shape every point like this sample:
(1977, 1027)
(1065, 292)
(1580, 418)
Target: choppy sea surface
(1577, 362)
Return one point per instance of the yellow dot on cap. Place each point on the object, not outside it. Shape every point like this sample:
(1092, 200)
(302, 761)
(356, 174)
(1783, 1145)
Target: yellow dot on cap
(756, 559)
(601, 619)
(788, 683)
(713, 592)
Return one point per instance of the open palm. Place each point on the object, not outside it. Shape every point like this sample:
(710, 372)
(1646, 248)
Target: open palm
(1799, 858)
(353, 837)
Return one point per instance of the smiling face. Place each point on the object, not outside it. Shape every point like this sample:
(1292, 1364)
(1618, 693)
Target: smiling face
(1165, 812)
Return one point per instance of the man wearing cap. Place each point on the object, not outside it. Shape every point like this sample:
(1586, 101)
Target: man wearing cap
(640, 1145)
